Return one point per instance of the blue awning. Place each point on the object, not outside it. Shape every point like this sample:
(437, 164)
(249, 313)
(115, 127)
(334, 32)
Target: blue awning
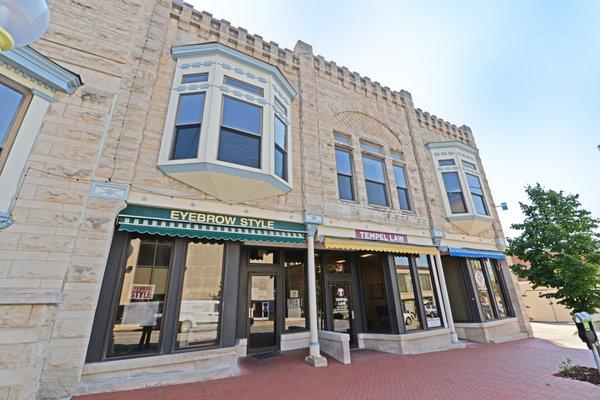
(471, 253)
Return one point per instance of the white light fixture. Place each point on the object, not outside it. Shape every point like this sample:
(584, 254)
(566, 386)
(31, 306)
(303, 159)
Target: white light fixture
(22, 22)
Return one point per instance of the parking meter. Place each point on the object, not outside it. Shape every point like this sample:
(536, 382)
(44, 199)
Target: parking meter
(587, 333)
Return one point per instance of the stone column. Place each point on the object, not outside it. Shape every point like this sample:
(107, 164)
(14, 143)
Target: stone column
(445, 299)
(314, 358)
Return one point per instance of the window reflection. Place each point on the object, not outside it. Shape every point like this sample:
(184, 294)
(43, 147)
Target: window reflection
(295, 291)
(411, 315)
(375, 299)
(337, 264)
(138, 317)
(201, 295)
(482, 290)
(493, 275)
(261, 255)
(430, 300)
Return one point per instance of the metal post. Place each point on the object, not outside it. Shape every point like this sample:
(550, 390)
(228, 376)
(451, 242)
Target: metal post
(445, 298)
(596, 356)
(314, 358)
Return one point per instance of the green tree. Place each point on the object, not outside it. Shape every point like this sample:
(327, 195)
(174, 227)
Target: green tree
(559, 240)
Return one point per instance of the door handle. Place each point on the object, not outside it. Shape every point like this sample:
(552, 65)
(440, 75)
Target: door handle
(352, 314)
(250, 312)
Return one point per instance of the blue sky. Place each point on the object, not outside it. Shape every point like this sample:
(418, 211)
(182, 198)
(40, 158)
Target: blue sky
(525, 76)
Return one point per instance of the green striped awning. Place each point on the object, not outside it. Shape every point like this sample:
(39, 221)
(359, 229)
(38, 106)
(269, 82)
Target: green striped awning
(197, 224)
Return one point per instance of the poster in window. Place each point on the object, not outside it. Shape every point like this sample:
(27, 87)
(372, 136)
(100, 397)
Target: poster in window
(376, 291)
(142, 292)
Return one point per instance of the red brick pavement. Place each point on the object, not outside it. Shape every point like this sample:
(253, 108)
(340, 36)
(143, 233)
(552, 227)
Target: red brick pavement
(515, 370)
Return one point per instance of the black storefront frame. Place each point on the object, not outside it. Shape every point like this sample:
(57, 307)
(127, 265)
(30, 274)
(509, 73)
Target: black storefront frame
(111, 288)
(471, 287)
(246, 270)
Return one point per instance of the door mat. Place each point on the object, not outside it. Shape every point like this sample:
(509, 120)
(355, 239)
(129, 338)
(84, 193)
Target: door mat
(268, 354)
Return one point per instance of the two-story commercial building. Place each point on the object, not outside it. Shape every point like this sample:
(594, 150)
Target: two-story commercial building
(178, 193)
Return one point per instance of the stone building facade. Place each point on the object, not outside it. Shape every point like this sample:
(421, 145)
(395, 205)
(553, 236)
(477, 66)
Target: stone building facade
(382, 210)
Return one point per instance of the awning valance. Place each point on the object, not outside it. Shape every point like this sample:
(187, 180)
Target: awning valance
(201, 225)
(472, 253)
(371, 245)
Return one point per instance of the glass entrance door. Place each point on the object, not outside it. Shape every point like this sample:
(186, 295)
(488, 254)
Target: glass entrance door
(342, 314)
(262, 313)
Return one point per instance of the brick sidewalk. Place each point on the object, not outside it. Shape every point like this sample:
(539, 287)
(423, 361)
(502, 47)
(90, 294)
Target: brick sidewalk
(515, 370)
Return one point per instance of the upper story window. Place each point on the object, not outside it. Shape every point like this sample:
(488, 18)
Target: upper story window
(187, 126)
(280, 148)
(342, 139)
(370, 148)
(14, 99)
(454, 192)
(194, 78)
(244, 86)
(343, 162)
(241, 129)
(477, 194)
(401, 187)
(228, 123)
(447, 162)
(469, 165)
(375, 180)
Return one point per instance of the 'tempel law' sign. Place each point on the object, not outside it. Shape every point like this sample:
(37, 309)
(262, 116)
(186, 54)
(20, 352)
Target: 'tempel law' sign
(221, 219)
(381, 236)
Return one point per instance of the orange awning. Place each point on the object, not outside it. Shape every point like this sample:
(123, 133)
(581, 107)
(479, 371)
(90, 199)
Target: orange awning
(370, 245)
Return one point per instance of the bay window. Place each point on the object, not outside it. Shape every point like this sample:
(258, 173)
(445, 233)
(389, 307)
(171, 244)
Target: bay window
(489, 290)
(227, 131)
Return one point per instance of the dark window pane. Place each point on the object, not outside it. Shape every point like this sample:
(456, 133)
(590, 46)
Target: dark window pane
(190, 109)
(238, 148)
(280, 164)
(446, 163)
(457, 203)
(345, 187)
(343, 162)
(376, 193)
(263, 255)
(10, 100)
(400, 176)
(193, 78)
(240, 115)
(403, 199)
(295, 291)
(244, 86)
(138, 314)
(185, 143)
(373, 169)
(280, 133)
(376, 309)
(199, 312)
(337, 264)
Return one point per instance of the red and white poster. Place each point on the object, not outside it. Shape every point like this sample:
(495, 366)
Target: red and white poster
(142, 292)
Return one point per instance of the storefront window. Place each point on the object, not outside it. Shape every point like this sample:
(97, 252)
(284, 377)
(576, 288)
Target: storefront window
(493, 276)
(138, 316)
(295, 291)
(199, 312)
(320, 292)
(428, 292)
(337, 264)
(411, 315)
(376, 309)
(263, 256)
(482, 290)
